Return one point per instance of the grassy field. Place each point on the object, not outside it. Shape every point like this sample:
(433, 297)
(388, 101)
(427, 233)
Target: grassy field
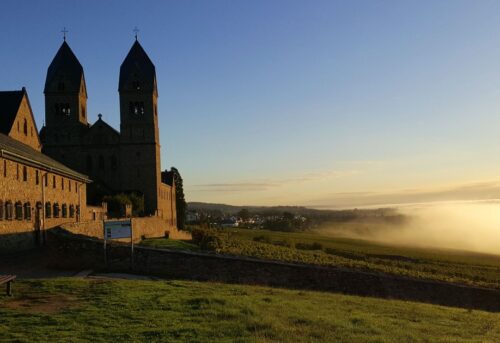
(169, 244)
(310, 247)
(81, 310)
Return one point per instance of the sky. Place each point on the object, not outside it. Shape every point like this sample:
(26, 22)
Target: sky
(281, 102)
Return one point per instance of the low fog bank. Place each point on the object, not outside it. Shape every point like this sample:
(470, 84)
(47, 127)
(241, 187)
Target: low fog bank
(465, 226)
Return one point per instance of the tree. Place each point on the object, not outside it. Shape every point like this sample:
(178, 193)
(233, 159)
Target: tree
(180, 201)
(288, 216)
(244, 214)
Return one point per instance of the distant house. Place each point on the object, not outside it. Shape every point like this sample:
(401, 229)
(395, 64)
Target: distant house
(192, 217)
(229, 222)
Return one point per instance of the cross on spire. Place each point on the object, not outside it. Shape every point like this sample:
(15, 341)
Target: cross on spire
(136, 31)
(64, 31)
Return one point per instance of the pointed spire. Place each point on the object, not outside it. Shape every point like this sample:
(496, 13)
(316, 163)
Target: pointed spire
(65, 71)
(137, 67)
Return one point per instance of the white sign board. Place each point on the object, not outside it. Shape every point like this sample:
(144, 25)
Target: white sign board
(117, 229)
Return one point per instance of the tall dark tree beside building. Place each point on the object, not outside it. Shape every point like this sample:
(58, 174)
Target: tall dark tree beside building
(180, 200)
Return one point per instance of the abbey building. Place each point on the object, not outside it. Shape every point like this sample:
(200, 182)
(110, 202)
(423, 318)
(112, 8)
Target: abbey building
(117, 161)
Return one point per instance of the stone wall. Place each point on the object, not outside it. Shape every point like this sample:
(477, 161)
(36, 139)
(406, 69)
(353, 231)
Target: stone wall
(76, 252)
(96, 213)
(147, 227)
(16, 186)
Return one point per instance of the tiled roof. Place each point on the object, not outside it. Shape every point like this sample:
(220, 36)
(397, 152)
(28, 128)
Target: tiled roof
(16, 150)
(9, 105)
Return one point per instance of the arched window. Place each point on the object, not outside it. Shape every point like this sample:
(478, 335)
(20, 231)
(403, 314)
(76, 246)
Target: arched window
(48, 210)
(71, 211)
(9, 210)
(101, 162)
(141, 107)
(83, 111)
(66, 110)
(27, 211)
(56, 210)
(136, 108)
(25, 127)
(1, 210)
(89, 163)
(25, 173)
(64, 211)
(19, 210)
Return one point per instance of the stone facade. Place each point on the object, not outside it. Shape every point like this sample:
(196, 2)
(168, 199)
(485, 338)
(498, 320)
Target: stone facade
(145, 227)
(36, 192)
(118, 161)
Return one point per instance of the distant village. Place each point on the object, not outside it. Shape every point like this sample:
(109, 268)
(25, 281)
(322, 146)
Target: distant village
(281, 218)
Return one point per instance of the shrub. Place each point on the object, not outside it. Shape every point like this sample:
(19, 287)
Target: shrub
(283, 243)
(309, 246)
(262, 238)
(117, 202)
(207, 239)
(197, 234)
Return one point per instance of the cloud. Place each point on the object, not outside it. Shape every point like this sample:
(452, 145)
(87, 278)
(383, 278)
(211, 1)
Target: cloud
(487, 190)
(233, 187)
(264, 185)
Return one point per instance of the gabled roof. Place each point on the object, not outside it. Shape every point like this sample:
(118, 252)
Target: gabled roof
(102, 123)
(138, 62)
(9, 106)
(15, 150)
(67, 65)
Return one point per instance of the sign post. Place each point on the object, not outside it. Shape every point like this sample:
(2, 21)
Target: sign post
(115, 230)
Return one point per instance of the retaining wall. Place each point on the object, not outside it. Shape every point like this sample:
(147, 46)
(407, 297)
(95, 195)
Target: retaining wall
(88, 253)
(144, 227)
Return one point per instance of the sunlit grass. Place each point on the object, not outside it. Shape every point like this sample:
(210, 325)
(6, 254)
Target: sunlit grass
(153, 311)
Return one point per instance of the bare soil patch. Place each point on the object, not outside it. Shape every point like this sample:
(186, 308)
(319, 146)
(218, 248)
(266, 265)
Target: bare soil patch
(48, 304)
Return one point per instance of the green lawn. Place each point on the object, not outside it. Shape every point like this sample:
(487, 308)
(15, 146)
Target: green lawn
(314, 248)
(81, 310)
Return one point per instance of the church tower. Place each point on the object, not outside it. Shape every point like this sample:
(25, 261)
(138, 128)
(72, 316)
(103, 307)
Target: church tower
(65, 107)
(65, 90)
(139, 135)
